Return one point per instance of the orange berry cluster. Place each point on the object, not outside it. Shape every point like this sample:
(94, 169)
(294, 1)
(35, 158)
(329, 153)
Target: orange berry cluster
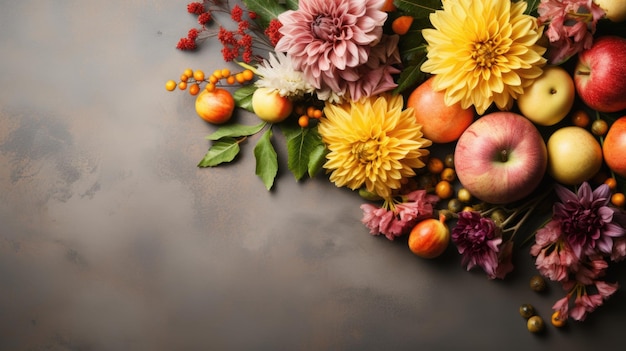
(306, 113)
(439, 177)
(618, 199)
(193, 79)
(599, 128)
(442, 175)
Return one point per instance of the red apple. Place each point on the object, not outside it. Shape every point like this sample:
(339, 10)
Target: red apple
(614, 146)
(600, 74)
(501, 158)
(429, 238)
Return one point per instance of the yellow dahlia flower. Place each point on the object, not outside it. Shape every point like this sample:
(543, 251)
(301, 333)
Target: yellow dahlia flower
(372, 142)
(483, 51)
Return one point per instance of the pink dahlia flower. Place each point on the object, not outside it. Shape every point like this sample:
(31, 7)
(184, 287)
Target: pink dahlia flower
(328, 38)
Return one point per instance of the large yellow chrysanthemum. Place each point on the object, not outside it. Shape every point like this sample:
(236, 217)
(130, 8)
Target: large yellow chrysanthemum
(483, 51)
(372, 142)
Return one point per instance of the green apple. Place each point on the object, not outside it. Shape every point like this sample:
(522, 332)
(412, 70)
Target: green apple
(269, 106)
(550, 98)
(574, 155)
(615, 9)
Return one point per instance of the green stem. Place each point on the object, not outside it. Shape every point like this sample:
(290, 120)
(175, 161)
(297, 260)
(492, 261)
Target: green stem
(247, 66)
(528, 208)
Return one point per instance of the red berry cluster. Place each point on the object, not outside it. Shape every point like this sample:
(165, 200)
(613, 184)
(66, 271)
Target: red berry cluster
(237, 43)
(204, 17)
(195, 8)
(272, 31)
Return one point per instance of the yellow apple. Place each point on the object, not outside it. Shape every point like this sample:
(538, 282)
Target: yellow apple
(269, 106)
(550, 98)
(574, 155)
(615, 9)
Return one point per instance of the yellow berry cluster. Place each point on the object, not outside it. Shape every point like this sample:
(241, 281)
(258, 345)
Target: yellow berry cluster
(193, 79)
(306, 113)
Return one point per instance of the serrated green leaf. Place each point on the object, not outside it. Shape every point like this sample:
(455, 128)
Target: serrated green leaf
(317, 157)
(235, 131)
(418, 8)
(290, 130)
(223, 150)
(266, 159)
(243, 96)
(291, 4)
(410, 76)
(299, 149)
(266, 10)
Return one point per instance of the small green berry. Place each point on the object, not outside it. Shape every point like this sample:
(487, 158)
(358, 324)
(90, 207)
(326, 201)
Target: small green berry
(526, 310)
(537, 283)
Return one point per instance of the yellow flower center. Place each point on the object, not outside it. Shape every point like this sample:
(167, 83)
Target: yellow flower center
(366, 152)
(485, 53)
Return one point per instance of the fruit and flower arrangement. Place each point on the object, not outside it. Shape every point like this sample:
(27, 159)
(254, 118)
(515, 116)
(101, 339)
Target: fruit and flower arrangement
(528, 98)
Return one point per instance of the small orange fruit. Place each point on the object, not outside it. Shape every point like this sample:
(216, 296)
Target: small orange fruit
(429, 238)
(402, 24)
(215, 106)
(388, 6)
(557, 320)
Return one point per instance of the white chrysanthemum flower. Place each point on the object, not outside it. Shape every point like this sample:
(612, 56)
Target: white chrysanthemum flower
(278, 73)
(330, 96)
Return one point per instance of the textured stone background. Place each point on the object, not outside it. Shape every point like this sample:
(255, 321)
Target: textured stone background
(112, 239)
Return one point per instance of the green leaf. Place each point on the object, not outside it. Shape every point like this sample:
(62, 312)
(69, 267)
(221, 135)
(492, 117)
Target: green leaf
(291, 4)
(235, 131)
(224, 150)
(411, 76)
(300, 146)
(317, 157)
(418, 8)
(266, 159)
(266, 10)
(412, 47)
(290, 130)
(243, 96)
(532, 6)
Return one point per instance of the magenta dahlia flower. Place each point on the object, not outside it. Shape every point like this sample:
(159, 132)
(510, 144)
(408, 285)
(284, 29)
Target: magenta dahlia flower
(478, 239)
(587, 220)
(327, 39)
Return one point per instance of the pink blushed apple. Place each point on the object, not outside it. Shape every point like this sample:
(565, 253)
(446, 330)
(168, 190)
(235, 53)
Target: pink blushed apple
(501, 158)
(270, 106)
(600, 74)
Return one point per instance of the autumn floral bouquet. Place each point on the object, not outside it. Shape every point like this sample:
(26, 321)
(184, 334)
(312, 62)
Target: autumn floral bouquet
(371, 90)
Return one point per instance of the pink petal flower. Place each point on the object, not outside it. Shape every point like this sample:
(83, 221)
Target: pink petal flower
(416, 206)
(562, 305)
(328, 38)
(606, 289)
(571, 25)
